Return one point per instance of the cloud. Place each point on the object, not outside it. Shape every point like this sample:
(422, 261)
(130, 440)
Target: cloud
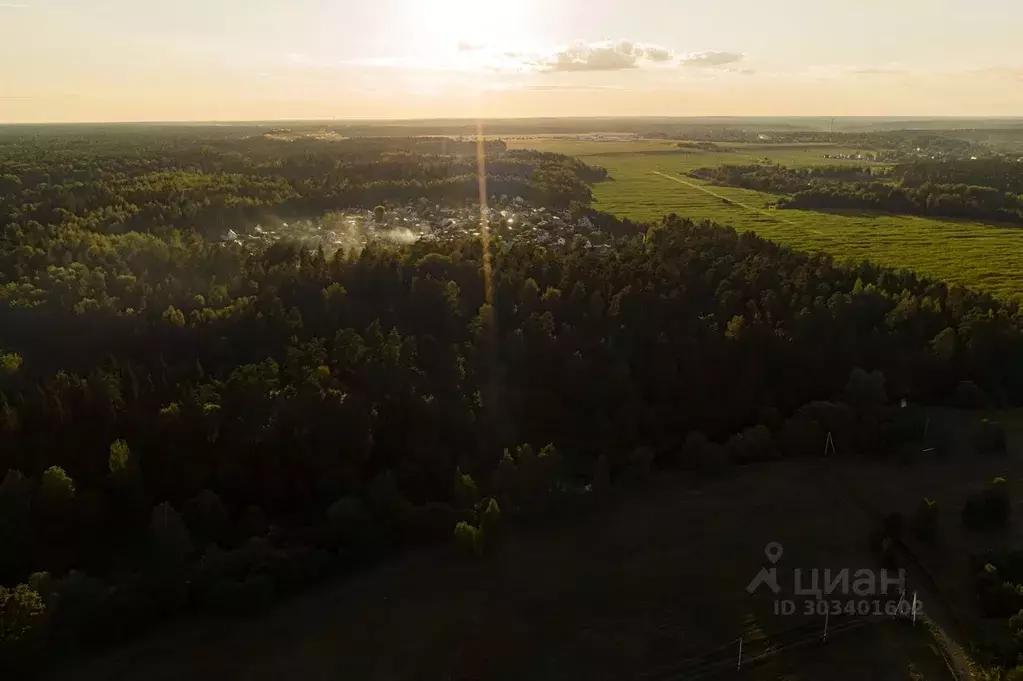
(1010, 72)
(583, 56)
(657, 54)
(464, 46)
(705, 60)
(877, 72)
(12, 5)
(570, 87)
(602, 56)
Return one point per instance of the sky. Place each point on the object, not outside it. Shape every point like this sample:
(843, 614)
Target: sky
(144, 60)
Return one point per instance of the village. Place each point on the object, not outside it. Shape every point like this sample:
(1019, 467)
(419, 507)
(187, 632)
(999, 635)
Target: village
(352, 229)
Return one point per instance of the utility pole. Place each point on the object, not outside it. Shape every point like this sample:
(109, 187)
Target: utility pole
(738, 665)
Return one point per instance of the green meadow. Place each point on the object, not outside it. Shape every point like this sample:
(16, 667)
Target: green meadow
(648, 181)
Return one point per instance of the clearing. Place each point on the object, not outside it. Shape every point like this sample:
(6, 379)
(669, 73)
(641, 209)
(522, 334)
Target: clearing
(634, 590)
(984, 256)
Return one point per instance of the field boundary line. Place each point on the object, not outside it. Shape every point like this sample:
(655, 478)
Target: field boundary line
(761, 211)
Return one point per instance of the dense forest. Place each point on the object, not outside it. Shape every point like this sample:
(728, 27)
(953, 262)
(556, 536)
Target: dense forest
(980, 189)
(187, 425)
(778, 178)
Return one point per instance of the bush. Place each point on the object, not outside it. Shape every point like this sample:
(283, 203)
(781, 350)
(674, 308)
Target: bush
(865, 391)
(704, 456)
(349, 519)
(988, 509)
(468, 538)
(924, 522)
(803, 438)
(434, 520)
(988, 437)
(752, 445)
(225, 596)
(969, 396)
(170, 542)
(1003, 599)
(252, 523)
(639, 464)
(22, 616)
(207, 517)
(832, 417)
(465, 490)
(490, 519)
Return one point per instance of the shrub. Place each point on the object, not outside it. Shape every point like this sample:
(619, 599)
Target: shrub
(803, 438)
(57, 487)
(169, 539)
(924, 522)
(639, 463)
(252, 523)
(1003, 599)
(490, 519)
(865, 391)
(989, 508)
(753, 444)
(468, 538)
(704, 456)
(225, 596)
(969, 396)
(207, 517)
(22, 614)
(465, 491)
(349, 519)
(988, 437)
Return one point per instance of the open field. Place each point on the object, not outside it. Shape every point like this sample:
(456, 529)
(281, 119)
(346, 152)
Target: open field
(987, 257)
(624, 592)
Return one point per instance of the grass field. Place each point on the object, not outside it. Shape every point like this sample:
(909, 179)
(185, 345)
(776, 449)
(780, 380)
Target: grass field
(987, 257)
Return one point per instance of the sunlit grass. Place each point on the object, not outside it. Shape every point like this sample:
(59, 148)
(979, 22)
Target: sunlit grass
(987, 257)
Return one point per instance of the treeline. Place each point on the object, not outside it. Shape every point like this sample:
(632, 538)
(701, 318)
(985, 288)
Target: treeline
(940, 200)
(165, 181)
(1004, 175)
(298, 413)
(778, 178)
(914, 189)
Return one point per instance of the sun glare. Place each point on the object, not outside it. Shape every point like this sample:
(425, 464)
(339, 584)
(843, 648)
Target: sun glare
(468, 25)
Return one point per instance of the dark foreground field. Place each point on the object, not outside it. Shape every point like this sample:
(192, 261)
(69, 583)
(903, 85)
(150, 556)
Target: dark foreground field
(628, 591)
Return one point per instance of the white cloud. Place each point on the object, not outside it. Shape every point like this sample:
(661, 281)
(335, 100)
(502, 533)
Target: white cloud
(658, 54)
(603, 56)
(11, 5)
(876, 72)
(570, 87)
(710, 59)
(580, 56)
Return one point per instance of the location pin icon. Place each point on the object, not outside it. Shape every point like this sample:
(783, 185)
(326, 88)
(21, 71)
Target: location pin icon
(773, 552)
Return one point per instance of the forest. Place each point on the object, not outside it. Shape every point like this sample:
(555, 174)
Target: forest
(778, 178)
(976, 189)
(192, 426)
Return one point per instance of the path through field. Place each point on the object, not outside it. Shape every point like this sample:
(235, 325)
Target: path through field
(725, 198)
